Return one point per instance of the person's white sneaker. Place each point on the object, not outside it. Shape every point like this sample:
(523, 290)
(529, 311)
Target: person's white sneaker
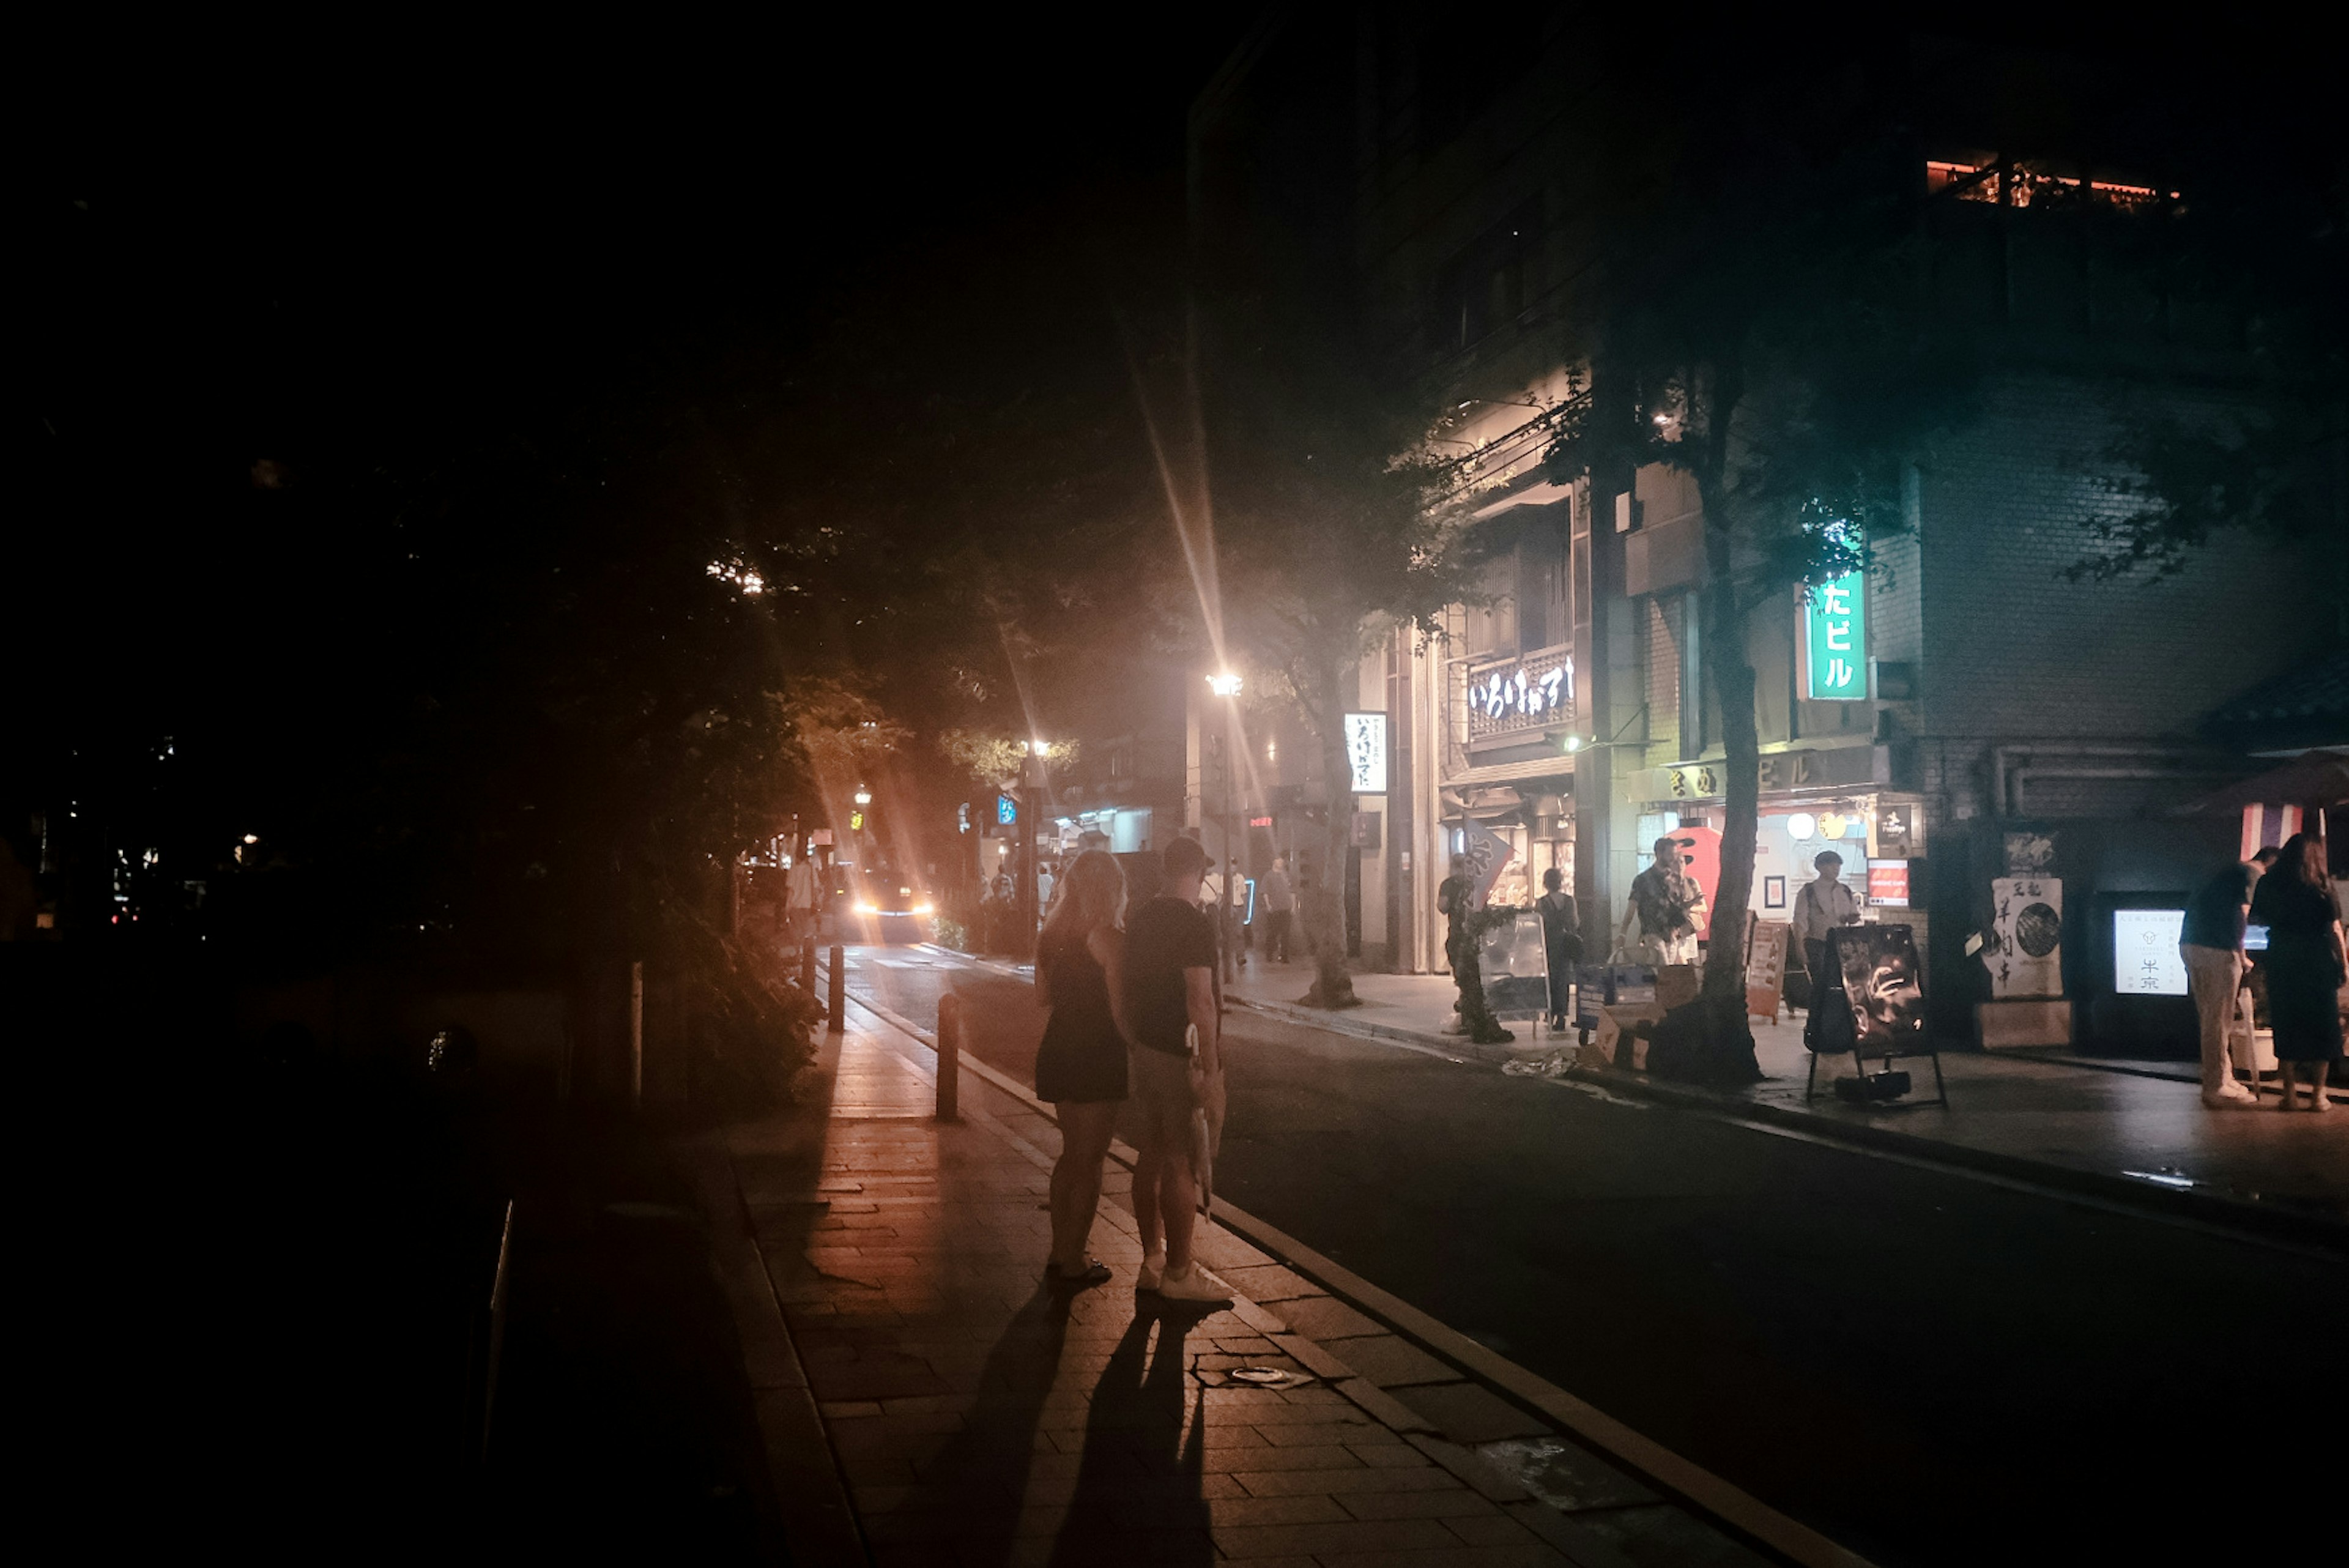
(1196, 1284)
(1152, 1270)
(2220, 1099)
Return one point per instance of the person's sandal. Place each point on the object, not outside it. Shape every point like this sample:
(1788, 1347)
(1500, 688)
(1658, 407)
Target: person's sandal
(1094, 1272)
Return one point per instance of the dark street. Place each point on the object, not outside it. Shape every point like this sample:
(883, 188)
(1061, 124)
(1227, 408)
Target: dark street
(1926, 1366)
(1723, 636)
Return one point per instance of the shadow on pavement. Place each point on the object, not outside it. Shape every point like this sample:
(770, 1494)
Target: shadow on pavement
(983, 1474)
(1141, 1471)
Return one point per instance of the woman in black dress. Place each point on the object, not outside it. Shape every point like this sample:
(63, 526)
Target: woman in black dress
(2304, 965)
(1081, 1066)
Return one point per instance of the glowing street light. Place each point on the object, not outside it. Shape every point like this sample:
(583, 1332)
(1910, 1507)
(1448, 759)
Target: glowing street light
(863, 797)
(1223, 685)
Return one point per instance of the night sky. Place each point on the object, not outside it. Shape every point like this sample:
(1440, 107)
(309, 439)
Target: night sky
(337, 340)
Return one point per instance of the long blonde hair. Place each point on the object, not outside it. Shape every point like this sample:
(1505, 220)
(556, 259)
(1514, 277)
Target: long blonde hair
(1093, 894)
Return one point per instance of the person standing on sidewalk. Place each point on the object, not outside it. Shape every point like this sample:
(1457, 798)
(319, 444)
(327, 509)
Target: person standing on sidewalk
(1278, 902)
(1663, 908)
(1562, 939)
(2305, 964)
(1081, 1066)
(1823, 904)
(1171, 991)
(802, 889)
(2210, 943)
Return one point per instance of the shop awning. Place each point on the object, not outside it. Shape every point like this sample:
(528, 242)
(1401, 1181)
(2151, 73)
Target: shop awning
(1559, 768)
(2316, 778)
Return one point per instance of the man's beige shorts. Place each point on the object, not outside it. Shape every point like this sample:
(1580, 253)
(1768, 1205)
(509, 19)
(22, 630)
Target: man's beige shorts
(1160, 1083)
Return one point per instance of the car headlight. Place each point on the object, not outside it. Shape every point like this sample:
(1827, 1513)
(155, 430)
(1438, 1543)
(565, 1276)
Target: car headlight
(864, 909)
(925, 909)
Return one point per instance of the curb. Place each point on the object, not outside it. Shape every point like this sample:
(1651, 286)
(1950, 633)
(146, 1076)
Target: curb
(1731, 1506)
(813, 1509)
(1339, 1023)
(2235, 1216)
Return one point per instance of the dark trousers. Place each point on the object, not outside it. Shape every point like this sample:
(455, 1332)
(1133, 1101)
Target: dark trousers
(1276, 934)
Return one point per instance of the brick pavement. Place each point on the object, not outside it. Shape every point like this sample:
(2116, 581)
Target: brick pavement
(976, 1417)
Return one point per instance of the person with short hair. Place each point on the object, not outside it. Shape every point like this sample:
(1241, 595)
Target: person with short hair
(1081, 1066)
(2210, 944)
(1823, 904)
(1664, 907)
(2305, 964)
(1171, 998)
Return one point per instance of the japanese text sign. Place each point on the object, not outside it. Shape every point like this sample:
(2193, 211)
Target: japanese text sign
(1366, 752)
(1834, 640)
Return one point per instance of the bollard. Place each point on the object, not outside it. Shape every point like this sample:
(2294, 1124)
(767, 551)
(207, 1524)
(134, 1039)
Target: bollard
(807, 968)
(839, 1002)
(949, 1057)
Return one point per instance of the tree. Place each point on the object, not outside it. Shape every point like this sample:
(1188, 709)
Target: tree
(1313, 541)
(1755, 323)
(2255, 246)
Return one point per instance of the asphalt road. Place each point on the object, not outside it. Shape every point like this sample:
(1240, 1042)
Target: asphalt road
(1925, 1366)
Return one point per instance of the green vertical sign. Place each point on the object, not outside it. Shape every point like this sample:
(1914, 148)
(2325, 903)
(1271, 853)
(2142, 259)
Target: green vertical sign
(1834, 640)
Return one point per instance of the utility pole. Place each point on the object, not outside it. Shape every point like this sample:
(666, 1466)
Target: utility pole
(1227, 687)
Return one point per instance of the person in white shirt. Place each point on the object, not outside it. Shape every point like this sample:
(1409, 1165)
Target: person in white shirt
(800, 889)
(1824, 904)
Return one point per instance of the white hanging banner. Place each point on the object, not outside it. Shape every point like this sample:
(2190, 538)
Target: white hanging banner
(2025, 952)
(1366, 752)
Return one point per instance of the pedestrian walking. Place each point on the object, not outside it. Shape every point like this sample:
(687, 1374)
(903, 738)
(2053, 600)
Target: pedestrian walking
(1455, 896)
(1044, 880)
(1278, 902)
(1081, 1066)
(1172, 999)
(2210, 943)
(1562, 939)
(1660, 917)
(2305, 964)
(1823, 904)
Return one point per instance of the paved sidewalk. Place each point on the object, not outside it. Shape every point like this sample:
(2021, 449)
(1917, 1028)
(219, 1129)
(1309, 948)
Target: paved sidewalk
(974, 1417)
(2133, 1135)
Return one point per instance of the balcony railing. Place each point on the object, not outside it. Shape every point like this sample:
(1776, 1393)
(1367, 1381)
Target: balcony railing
(1493, 701)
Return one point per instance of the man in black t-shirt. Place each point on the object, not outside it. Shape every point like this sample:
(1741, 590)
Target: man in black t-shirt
(1170, 990)
(2210, 943)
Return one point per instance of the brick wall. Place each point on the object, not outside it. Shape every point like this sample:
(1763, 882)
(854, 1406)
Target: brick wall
(2008, 649)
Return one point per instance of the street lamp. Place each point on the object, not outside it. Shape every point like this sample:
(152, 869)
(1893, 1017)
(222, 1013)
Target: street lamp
(864, 797)
(1223, 685)
(1031, 905)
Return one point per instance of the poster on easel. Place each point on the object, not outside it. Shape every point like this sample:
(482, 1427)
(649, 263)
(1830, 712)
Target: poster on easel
(1765, 968)
(1513, 960)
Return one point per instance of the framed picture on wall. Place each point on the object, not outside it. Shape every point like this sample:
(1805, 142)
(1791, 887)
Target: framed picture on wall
(1773, 892)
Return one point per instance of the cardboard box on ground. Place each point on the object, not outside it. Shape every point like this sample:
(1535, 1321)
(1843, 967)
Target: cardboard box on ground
(1615, 1044)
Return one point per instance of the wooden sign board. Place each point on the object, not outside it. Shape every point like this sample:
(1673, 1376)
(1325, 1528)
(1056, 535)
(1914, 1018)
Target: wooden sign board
(1765, 968)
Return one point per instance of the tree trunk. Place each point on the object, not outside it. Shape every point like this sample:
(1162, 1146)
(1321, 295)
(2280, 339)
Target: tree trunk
(1730, 669)
(1731, 673)
(1325, 904)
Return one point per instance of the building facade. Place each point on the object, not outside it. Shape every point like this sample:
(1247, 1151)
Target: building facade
(1989, 710)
